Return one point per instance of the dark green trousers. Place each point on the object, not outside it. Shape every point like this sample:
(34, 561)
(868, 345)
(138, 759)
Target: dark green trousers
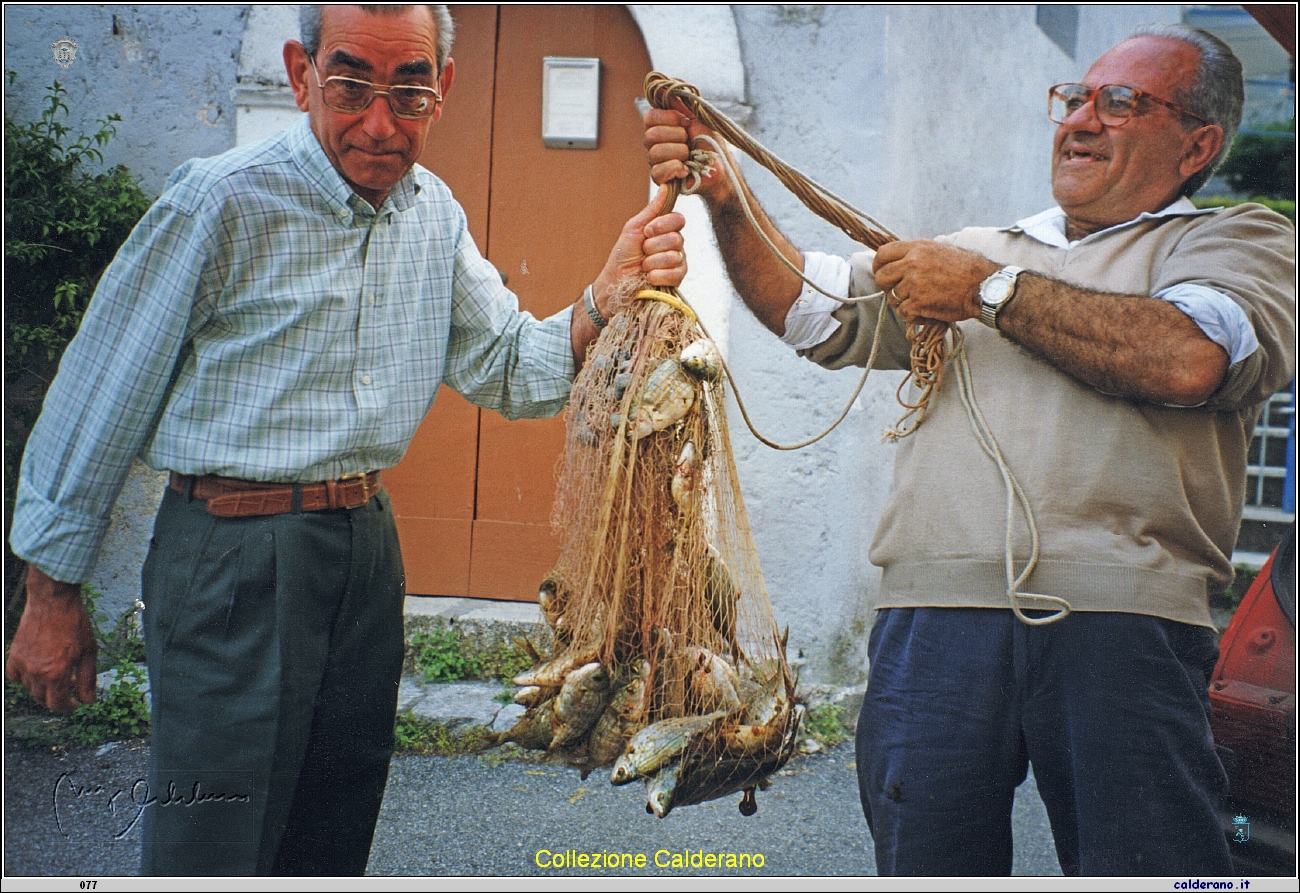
(275, 652)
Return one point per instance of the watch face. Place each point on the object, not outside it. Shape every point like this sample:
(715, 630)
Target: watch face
(995, 290)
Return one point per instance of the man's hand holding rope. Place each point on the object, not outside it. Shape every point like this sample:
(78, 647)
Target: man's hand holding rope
(929, 280)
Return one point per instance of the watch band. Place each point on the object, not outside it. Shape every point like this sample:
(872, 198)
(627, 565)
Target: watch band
(989, 310)
(589, 301)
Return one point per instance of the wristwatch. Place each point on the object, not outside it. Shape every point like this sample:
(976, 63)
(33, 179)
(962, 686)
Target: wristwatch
(995, 293)
(589, 301)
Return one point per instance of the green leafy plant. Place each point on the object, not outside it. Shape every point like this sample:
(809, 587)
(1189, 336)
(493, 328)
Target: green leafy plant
(503, 662)
(443, 655)
(416, 735)
(825, 724)
(63, 224)
(439, 656)
(121, 711)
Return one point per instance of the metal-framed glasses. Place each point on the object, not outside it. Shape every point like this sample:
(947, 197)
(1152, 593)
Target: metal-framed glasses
(352, 96)
(1115, 104)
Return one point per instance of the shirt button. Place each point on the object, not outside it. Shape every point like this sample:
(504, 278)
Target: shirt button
(372, 300)
(365, 379)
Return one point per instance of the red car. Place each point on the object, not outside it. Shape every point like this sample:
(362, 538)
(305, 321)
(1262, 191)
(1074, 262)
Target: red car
(1253, 699)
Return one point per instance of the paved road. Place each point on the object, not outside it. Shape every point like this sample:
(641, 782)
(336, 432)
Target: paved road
(469, 816)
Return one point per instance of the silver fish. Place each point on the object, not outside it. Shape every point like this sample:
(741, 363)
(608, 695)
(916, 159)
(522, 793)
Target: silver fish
(701, 359)
(667, 395)
(580, 703)
(655, 745)
(659, 789)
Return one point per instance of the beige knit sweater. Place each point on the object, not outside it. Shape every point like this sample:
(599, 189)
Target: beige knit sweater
(1137, 505)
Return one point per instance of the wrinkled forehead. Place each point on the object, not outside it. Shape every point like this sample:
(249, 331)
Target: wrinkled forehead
(1159, 65)
(374, 41)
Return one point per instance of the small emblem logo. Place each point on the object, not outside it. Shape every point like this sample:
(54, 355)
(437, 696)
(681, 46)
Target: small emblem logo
(1241, 829)
(65, 51)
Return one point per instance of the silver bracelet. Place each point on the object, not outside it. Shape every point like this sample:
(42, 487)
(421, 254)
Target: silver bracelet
(589, 301)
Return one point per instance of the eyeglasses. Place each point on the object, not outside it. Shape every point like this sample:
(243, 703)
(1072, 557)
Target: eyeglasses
(1115, 103)
(351, 96)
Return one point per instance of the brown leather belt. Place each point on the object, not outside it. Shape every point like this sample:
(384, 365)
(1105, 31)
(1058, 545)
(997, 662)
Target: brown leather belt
(233, 498)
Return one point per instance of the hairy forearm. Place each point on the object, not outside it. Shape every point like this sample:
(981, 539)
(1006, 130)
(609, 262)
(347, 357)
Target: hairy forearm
(767, 286)
(1129, 345)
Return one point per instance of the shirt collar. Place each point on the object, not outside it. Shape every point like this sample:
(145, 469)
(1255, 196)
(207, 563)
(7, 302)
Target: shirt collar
(1049, 226)
(333, 188)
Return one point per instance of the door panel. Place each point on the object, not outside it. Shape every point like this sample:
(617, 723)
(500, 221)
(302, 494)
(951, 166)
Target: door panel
(432, 488)
(549, 218)
(555, 215)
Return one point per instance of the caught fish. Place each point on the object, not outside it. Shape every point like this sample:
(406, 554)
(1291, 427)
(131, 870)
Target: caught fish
(701, 359)
(711, 682)
(685, 475)
(655, 745)
(771, 701)
(711, 768)
(721, 594)
(552, 673)
(660, 787)
(553, 598)
(618, 723)
(532, 695)
(666, 397)
(533, 730)
(580, 703)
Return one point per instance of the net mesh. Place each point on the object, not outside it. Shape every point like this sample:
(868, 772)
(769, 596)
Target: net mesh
(666, 661)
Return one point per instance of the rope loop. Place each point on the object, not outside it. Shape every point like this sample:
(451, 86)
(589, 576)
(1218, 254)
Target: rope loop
(928, 346)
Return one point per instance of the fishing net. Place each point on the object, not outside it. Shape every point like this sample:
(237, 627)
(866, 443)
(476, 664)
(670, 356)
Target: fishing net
(666, 660)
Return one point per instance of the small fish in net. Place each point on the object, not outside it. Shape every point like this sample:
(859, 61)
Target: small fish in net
(666, 662)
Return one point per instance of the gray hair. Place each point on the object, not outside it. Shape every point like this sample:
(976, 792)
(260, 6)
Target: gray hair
(309, 27)
(1218, 94)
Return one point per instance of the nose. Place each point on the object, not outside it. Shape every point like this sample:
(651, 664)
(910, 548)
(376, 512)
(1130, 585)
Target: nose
(1084, 118)
(379, 122)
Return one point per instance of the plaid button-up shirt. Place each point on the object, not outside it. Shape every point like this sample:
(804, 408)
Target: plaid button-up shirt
(263, 322)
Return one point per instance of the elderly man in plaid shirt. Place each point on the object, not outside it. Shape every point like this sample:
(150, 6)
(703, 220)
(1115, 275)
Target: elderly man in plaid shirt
(272, 333)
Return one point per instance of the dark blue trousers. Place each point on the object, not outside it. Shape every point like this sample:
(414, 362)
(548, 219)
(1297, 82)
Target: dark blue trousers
(275, 652)
(1111, 709)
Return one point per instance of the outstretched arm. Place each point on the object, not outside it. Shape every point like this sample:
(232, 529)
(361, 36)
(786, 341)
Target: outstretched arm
(1129, 345)
(765, 284)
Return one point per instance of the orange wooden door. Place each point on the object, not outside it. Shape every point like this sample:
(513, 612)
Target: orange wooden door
(473, 495)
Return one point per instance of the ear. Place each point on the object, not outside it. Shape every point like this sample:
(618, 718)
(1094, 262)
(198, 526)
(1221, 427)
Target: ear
(444, 84)
(296, 65)
(1200, 148)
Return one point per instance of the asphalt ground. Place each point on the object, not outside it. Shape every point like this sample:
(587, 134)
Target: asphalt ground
(71, 814)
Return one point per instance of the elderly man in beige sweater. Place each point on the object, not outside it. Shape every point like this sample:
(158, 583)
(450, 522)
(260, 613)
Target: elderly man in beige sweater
(1122, 344)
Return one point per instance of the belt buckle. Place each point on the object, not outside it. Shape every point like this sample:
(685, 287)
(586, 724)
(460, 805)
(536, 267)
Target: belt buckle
(365, 488)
